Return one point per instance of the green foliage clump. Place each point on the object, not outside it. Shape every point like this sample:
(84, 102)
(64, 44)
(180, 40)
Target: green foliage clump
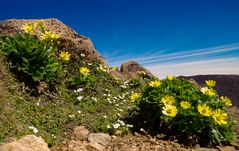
(183, 111)
(32, 57)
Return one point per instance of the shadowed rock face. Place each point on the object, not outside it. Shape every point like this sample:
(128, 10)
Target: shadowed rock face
(227, 85)
(71, 41)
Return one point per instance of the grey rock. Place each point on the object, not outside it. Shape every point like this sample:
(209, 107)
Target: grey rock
(100, 138)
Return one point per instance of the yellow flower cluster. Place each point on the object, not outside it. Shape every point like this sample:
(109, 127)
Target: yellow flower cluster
(135, 96)
(46, 35)
(226, 101)
(170, 77)
(185, 104)
(85, 71)
(208, 91)
(210, 83)
(155, 83)
(169, 109)
(65, 55)
(49, 35)
(28, 28)
(219, 116)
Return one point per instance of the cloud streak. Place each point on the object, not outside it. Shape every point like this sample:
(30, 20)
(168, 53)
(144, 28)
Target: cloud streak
(216, 66)
(159, 57)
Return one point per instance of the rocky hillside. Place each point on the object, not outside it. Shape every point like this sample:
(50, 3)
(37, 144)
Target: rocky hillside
(58, 93)
(227, 85)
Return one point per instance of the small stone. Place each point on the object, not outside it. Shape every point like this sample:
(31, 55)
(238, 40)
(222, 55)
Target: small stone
(100, 138)
(81, 133)
(118, 133)
(96, 146)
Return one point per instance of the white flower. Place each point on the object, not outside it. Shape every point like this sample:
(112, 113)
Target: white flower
(35, 130)
(123, 86)
(142, 130)
(72, 116)
(38, 102)
(79, 98)
(117, 125)
(82, 55)
(90, 64)
(79, 90)
(105, 116)
(129, 125)
(79, 112)
(121, 122)
(108, 126)
(104, 94)
(95, 99)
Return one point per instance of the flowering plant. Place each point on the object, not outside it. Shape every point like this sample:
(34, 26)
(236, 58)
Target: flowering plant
(180, 109)
(32, 57)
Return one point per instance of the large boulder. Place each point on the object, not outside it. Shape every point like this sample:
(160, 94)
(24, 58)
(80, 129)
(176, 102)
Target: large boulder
(27, 143)
(132, 70)
(71, 41)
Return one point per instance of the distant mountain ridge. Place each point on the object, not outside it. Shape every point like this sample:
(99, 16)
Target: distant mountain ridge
(227, 85)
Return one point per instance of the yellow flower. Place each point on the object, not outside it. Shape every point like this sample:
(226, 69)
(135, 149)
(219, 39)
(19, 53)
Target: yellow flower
(141, 73)
(65, 55)
(102, 69)
(220, 116)
(170, 77)
(226, 101)
(155, 83)
(234, 122)
(28, 28)
(40, 22)
(135, 96)
(210, 83)
(84, 70)
(49, 35)
(185, 104)
(204, 109)
(208, 91)
(170, 110)
(168, 100)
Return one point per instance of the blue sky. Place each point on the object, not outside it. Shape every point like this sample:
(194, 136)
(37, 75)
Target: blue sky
(180, 37)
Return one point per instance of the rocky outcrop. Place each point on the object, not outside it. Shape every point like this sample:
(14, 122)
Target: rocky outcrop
(71, 41)
(27, 143)
(132, 70)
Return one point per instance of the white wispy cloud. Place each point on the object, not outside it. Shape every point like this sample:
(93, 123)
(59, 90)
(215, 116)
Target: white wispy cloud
(216, 66)
(160, 57)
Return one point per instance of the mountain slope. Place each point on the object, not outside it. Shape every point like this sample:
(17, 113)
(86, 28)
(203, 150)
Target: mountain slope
(227, 85)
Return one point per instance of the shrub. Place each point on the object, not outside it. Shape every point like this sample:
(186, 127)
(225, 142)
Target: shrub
(183, 111)
(32, 57)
